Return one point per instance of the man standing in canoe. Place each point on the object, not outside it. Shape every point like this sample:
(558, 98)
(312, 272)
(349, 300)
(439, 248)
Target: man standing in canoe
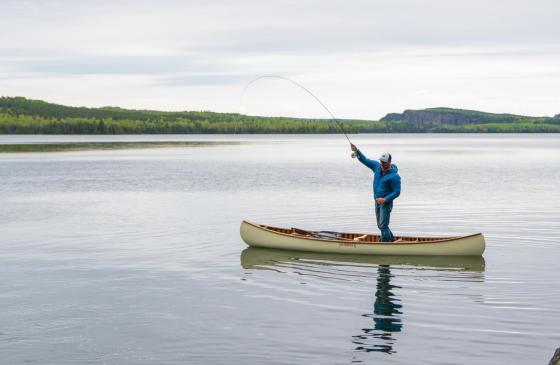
(386, 188)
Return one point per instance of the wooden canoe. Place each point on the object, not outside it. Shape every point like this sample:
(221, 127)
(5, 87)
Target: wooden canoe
(260, 235)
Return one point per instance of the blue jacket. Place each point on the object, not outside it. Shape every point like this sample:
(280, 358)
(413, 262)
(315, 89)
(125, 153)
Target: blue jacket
(386, 185)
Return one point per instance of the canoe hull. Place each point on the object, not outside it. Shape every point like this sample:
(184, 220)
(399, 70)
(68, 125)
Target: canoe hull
(259, 236)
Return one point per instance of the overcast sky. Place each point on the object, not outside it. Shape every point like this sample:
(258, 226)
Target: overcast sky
(363, 59)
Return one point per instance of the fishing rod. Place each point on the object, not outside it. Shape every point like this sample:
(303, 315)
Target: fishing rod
(306, 90)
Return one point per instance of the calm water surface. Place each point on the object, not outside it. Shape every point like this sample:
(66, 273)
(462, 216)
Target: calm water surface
(134, 256)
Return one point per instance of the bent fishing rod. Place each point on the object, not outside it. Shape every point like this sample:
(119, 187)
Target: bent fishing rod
(307, 91)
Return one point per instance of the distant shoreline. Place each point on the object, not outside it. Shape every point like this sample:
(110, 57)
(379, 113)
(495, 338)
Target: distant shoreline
(19, 115)
(91, 146)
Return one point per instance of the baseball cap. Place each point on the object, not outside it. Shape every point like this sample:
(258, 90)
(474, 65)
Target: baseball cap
(385, 157)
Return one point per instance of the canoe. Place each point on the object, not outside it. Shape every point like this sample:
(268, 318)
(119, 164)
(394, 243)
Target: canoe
(260, 235)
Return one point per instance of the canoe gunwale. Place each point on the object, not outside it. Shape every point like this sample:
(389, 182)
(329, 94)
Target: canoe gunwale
(346, 241)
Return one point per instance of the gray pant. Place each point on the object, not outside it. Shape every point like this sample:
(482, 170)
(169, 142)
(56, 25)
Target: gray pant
(383, 215)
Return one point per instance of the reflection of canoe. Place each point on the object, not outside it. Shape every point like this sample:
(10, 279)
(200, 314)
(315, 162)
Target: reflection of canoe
(259, 235)
(262, 258)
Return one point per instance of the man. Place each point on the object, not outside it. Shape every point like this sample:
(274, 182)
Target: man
(386, 187)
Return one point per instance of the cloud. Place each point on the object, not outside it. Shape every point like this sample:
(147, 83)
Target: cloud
(205, 79)
(148, 65)
(365, 58)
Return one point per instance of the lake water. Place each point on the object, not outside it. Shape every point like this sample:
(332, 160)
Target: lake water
(134, 256)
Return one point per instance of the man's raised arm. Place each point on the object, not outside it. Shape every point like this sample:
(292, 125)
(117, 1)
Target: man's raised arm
(372, 164)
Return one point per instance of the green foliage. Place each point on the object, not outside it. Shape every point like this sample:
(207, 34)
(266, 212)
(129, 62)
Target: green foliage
(517, 127)
(85, 146)
(23, 116)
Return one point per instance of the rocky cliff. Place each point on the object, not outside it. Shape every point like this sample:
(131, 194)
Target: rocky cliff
(435, 117)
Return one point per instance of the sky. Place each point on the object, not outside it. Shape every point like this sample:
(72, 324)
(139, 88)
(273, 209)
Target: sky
(362, 59)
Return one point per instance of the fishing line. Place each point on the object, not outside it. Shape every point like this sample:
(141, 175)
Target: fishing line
(305, 89)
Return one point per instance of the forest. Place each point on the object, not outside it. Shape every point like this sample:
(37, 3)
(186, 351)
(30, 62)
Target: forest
(19, 115)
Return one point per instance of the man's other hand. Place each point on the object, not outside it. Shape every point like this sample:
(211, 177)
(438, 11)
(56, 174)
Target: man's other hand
(380, 200)
(353, 147)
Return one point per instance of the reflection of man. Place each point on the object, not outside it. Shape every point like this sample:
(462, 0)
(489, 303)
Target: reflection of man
(385, 309)
(386, 187)
(386, 316)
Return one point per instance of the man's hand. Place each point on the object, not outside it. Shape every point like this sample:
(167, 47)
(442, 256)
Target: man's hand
(380, 200)
(354, 148)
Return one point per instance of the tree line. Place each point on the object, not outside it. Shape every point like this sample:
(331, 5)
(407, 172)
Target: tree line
(23, 116)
